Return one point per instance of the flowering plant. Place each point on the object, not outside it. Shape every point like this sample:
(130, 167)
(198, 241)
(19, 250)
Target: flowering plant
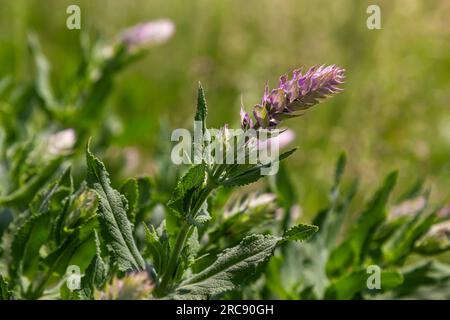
(69, 230)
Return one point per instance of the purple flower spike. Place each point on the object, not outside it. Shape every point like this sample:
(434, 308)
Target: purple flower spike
(300, 93)
(148, 33)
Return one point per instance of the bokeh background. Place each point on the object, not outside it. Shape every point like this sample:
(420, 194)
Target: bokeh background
(394, 113)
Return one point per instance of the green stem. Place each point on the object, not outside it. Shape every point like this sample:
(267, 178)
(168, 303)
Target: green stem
(173, 260)
(183, 235)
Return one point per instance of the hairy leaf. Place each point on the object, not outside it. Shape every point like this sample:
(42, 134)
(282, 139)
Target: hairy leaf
(300, 232)
(116, 228)
(182, 195)
(158, 249)
(232, 268)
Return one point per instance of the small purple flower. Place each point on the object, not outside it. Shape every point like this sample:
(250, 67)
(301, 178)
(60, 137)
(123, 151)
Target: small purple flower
(148, 33)
(246, 121)
(293, 96)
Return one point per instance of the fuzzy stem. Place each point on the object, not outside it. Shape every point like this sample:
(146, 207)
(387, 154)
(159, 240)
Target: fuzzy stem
(183, 235)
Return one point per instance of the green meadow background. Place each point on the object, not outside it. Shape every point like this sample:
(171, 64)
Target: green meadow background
(394, 113)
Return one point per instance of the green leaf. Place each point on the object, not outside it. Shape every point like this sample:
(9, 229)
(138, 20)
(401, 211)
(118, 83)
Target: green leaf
(199, 126)
(250, 213)
(243, 175)
(131, 192)
(54, 194)
(145, 187)
(356, 283)
(184, 191)
(286, 193)
(330, 219)
(96, 273)
(373, 215)
(43, 86)
(362, 230)
(244, 178)
(300, 232)
(27, 239)
(201, 217)
(428, 279)
(192, 247)
(339, 171)
(19, 163)
(158, 248)
(5, 294)
(22, 195)
(232, 269)
(202, 108)
(59, 259)
(401, 243)
(34, 229)
(79, 208)
(116, 228)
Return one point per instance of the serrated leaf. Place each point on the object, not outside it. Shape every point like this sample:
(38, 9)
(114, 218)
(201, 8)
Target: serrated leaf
(243, 175)
(145, 188)
(184, 191)
(116, 228)
(244, 178)
(199, 126)
(158, 249)
(192, 247)
(202, 109)
(201, 217)
(232, 269)
(300, 232)
(131, 192)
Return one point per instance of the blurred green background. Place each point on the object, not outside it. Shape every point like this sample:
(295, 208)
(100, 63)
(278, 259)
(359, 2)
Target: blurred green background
(394, 113)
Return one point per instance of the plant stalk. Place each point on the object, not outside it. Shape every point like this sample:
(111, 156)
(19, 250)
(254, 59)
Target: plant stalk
(183, 235)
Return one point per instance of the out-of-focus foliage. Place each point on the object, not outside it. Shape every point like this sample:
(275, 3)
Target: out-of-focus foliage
(399, 241)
